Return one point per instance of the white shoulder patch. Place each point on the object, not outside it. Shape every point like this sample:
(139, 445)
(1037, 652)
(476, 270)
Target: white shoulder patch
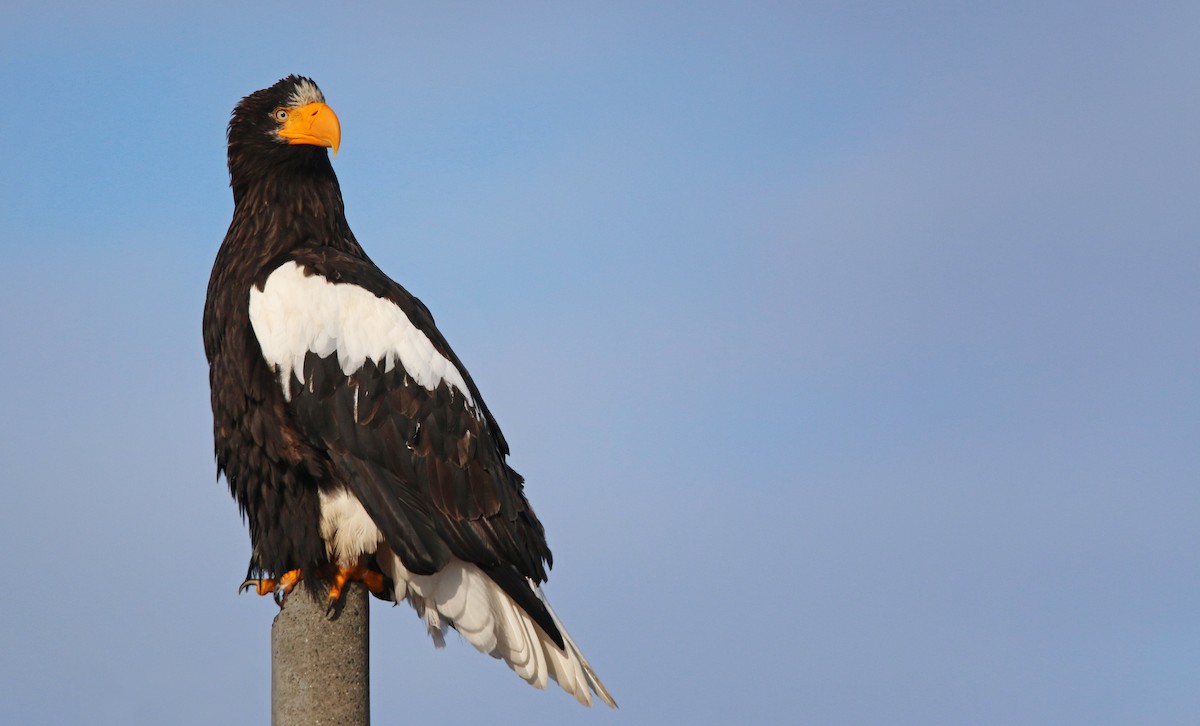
(296, 314)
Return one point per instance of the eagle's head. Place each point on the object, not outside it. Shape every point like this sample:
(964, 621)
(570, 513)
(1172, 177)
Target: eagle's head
(286, 125)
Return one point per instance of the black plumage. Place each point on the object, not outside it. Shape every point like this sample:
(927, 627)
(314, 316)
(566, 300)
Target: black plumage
(427, 464)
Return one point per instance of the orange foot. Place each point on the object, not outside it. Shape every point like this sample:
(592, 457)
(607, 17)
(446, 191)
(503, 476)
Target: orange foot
(340, 575)
(358, 573)
(281, 587)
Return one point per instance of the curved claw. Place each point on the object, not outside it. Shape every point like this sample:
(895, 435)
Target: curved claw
(262, 586)
(279, 587)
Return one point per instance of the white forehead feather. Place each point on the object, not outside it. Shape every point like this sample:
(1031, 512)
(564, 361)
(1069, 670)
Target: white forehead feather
(306, 92)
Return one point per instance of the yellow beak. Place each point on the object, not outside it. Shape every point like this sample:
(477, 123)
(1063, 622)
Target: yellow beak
(314, 124)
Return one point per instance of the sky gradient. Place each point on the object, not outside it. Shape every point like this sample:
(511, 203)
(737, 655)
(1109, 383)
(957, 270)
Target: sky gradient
(850, 354)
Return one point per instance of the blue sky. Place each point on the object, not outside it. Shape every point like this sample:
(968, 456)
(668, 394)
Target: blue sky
(849, 353)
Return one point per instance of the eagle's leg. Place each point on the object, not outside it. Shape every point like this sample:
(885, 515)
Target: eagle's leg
(357, 573)
(281, 586)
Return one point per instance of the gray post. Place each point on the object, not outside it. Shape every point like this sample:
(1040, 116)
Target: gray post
(320, 670)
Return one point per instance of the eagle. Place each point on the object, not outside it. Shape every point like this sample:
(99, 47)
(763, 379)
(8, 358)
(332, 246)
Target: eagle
(351, 436)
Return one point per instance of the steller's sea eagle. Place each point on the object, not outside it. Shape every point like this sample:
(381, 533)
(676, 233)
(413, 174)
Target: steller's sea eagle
(353, 439)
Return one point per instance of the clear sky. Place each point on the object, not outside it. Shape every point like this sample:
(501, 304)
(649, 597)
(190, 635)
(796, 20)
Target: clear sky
(849, 350)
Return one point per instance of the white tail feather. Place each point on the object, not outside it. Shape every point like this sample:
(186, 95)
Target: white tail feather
(573, 657)
(463, 597)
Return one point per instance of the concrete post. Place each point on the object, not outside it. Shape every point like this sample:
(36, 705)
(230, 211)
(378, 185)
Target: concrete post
(320, 665)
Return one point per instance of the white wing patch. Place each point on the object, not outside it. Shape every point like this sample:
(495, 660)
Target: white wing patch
(296, 314)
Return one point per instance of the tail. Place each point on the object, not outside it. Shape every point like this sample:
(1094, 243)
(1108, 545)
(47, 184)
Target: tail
(462, 597)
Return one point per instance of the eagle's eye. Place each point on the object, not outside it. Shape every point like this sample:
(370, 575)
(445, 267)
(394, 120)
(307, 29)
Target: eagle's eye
(280, 115)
